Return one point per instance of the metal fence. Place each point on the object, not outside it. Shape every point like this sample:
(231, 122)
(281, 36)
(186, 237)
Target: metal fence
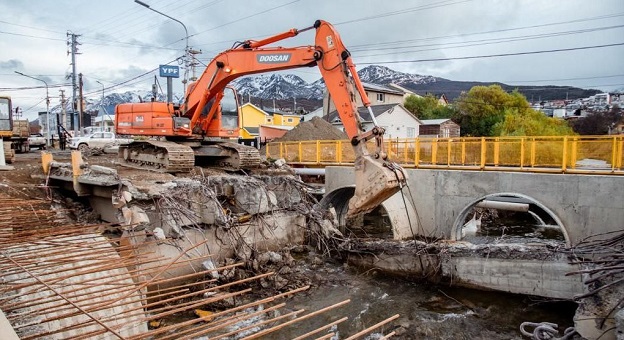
(558, 154)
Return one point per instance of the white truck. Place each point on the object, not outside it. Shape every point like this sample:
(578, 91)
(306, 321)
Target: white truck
(97, 140)
(37, 140)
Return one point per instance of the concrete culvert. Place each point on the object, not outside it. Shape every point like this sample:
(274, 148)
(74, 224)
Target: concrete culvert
(394, 218)
(508, 218)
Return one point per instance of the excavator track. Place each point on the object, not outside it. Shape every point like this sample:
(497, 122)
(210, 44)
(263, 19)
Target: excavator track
(173, 157)
(157, 156)
(9, 153)
(245, 157)
(227, 156)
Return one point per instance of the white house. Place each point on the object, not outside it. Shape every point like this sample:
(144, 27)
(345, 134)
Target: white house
(396, 119)
(377, 94)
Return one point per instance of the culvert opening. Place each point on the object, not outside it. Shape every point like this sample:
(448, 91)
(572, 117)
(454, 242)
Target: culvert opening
(509, 218)
(375, 224)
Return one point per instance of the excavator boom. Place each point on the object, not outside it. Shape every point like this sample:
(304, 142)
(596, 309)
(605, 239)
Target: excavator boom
(201, 114)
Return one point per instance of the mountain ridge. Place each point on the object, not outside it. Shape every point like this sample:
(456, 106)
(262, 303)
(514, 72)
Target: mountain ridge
(286, 89)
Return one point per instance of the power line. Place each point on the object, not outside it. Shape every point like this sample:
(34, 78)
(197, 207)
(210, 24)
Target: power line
(562, 79)
(492, 55)
(31, 87)
(480, 42)
(31, 27)
(404, 11)
(244, 18)
(31, 36)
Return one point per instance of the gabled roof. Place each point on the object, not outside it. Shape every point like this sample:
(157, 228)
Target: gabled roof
(255, 107)
(435, 121)
(381, 88)
(252, 130)
(363, 111)
(279, 127)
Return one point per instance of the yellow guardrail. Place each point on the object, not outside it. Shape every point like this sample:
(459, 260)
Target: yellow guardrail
(558, 154)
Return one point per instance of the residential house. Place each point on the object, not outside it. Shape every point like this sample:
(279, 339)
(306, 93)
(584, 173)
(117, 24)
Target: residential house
(442, 100)
(316, 113)
(284, 118)
(270, 132)
(394, 118)
(251, 117)
(406, 92)
(440, 128)
(377, 94)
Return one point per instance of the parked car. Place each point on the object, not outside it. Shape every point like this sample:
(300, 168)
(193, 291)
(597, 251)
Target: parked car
(37, 140)
(101, 140)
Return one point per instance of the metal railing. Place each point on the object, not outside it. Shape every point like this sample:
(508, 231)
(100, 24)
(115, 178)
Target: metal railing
(557, 154)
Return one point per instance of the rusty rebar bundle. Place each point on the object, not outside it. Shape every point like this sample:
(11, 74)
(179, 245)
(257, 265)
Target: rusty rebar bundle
(602, 258)
(63, 280)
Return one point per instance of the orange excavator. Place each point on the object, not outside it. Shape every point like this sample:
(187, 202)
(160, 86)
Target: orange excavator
(198, 129)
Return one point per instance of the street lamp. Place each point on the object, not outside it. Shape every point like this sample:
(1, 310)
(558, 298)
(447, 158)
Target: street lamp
(47, 106)
(186, 49)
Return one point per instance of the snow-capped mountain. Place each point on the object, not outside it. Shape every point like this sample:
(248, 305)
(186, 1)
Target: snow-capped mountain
(94, 103)
(382, 75)
(277, 86)
(284, 87)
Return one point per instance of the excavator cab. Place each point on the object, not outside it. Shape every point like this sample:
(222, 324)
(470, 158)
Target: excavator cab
(224, 121)
(6, 123)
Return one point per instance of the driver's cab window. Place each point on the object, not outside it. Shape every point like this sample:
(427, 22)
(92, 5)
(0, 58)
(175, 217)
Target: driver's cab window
(229, 109)
(4, 108)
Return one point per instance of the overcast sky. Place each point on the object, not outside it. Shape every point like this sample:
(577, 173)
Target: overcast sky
(122, 41)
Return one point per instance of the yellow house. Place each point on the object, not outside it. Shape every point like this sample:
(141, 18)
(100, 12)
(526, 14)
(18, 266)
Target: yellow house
(251, 117)
(285, 119)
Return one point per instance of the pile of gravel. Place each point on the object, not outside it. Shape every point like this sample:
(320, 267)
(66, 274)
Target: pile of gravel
(315, 129)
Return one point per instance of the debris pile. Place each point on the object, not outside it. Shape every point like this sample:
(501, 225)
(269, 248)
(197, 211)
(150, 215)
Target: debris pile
(601, 258)
(67, 281)
(315, 129)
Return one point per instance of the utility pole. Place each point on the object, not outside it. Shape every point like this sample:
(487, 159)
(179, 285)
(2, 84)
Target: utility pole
(63, 108)
(63, 120)
(80, 108)
(73, 50)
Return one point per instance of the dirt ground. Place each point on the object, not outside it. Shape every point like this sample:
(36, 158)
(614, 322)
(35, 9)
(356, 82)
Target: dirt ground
(19, 182)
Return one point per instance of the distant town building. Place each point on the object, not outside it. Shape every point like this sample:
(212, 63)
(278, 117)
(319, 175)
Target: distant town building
(440, 128)
(394, 118)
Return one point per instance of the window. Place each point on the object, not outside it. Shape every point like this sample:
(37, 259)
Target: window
(380, 97)
(411, 132)
(289, 120)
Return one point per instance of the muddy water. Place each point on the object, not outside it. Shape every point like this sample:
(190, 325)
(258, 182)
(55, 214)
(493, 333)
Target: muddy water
(427, 311)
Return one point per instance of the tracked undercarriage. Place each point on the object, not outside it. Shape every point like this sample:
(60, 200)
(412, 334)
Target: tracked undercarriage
(9, 153)
(173, 157)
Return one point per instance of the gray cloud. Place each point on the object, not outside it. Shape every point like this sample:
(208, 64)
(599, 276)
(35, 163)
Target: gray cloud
(12, 64)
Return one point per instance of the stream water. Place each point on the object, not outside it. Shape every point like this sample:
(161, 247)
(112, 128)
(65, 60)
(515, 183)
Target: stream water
(427, 311)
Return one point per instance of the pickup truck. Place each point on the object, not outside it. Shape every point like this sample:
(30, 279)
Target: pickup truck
(97, 140)
(37, 141)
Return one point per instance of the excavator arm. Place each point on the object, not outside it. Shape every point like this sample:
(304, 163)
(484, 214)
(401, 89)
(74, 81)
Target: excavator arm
(376, 178)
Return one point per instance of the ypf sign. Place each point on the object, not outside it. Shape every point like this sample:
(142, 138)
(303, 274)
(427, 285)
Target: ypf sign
(169, 71)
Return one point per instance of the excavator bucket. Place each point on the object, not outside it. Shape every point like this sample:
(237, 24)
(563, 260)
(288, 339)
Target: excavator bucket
(374, 183)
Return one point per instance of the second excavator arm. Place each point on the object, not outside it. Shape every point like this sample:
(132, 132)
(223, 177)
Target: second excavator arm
(376, 178)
